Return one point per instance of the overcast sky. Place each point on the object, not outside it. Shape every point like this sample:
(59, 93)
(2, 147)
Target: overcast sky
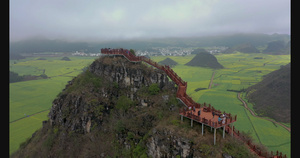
(129, 19)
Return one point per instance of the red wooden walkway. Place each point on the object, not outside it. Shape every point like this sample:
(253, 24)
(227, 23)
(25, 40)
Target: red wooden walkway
(191, 110)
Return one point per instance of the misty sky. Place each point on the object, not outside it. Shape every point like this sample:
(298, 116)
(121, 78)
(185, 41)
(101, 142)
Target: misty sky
(129, 19)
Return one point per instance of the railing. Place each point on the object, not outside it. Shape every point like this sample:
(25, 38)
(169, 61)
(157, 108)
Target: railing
(215, 124)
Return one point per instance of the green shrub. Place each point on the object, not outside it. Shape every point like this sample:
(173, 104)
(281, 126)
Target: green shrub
(124, 103)
(130, 135)
(119, 126)
(98, 110)
(49, 141)
(55, 130)
(139, 151)
(153, 89)
(206, 149)
(83, 80)
(175, 122)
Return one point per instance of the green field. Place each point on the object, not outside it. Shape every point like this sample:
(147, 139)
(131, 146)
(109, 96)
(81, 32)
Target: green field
(241, 71)
(31, 97)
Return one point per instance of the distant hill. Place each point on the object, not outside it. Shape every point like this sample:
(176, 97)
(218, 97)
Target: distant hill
(244, 48)
(272, 96)
(205, 60)
(169, 62)
(66, 59)
(277, 48)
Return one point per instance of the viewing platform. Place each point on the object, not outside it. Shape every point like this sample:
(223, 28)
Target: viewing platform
(209, 116)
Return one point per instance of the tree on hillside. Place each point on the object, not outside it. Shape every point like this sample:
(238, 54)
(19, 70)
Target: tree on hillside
(132, 51)
(14, 77)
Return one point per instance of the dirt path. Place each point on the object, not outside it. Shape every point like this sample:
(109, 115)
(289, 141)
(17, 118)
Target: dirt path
(29, 116)
(252, 113)
(211, 80)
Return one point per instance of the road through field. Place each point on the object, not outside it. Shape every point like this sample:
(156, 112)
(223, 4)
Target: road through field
(252, 113)
(211, 80)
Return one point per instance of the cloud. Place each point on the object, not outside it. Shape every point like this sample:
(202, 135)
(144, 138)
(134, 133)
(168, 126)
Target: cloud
(101, 20)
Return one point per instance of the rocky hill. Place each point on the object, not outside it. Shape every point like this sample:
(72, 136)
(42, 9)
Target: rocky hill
(204, 59)
(169, 62)
(121, 109)
(272, 96)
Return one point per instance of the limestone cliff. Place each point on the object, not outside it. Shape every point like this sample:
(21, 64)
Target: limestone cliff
(76, 110)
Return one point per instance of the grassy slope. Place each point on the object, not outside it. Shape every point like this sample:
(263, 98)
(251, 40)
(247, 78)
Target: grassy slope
(241, 71)
(33, 96)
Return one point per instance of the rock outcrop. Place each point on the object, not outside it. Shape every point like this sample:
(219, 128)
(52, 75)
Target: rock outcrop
(165, 143)
(75, 111)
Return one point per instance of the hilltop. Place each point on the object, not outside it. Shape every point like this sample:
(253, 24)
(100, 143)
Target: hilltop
(169, 62)
(199, 50)
(204, 59)
(271, 96)
(121, 109)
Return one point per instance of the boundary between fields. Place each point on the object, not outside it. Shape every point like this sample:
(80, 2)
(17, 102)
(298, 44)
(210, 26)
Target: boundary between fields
(211, 80)
(29, 116)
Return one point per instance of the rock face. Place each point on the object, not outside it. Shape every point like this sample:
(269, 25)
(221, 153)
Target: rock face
(127, 74)
(165, 144)
(76, 111)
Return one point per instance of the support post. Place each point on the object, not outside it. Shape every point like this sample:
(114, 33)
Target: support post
(191, 122)
(181, 118)
(211, 128)
(223, 132)
(214, 136)
(202, 128)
